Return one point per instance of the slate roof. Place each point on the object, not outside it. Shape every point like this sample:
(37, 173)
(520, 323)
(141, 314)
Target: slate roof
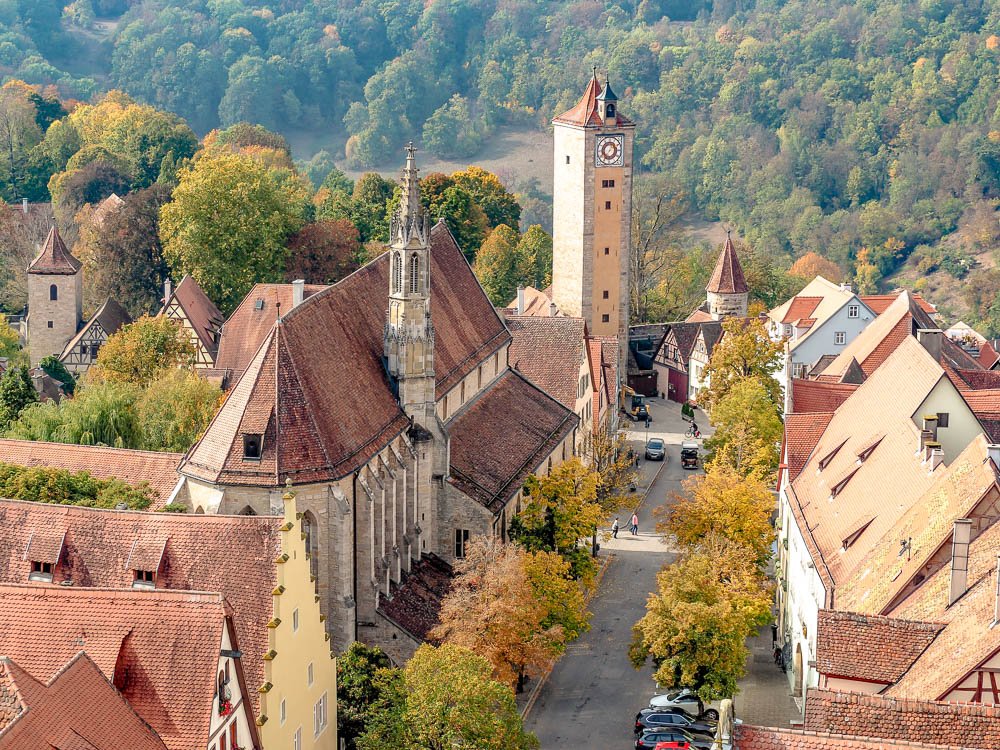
(231, 555)
(110, 316)
(310, 395)
(549, 352)
(158, 470)
(727, 278)
(802, 433)
(586, 113)
(54, 257)
(872, 648)
(977, 379)
(248, 326)
(416, 602)
(204, 317)
(810, 396)
(959, 724)
(503, 436)
(160, 648)
(77, 709)
(769, 738)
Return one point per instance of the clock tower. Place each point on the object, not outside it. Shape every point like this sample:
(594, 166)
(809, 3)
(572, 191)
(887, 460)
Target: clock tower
(591, 211)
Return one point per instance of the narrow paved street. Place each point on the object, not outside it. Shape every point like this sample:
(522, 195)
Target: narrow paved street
(592, 695)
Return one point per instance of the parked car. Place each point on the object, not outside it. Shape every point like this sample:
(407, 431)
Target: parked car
(678, 710)
(687, 699)
(644, 720)
(650, 739)
(656, 450)
(689, 454)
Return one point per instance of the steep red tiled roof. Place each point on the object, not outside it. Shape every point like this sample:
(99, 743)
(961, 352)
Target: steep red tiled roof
(869, 647)
(158, 470)
(585, 112)
(727, 278)
(160, 648)
(251, 323)
(232, 555)
(504, 435)
(204, 317)
(809, 396)
(801, 307)
(879, 303)
(683, 336)
(963, 725)
(770, 738)
(988, 356)
(54, 257)
(976, 380)
(310, 395)
(415, 604)
(78, 709)
(549, 352)
(802, 433)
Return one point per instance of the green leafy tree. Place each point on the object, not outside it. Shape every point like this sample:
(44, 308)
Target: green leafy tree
(44, 484)
(500, 266)
(16, 392)
(535, 247)
(748, 430)
(56, 370)
(453, 132)
(369, 207)
(100, 414)
(498, 203)
(228, 225)
(361, 672)
(174, 410)
(10, 342)
(463, 216)
(142, 351)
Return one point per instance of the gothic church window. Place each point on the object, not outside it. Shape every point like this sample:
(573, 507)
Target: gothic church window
(414, 273)
(397, 273)
(53, 292)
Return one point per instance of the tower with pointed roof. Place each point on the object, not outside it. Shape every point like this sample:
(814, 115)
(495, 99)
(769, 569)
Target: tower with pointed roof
(591, 210)
(727, 292)
(409, 333)
(55, 298)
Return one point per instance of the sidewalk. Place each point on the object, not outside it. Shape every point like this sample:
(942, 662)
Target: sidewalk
(764, 697)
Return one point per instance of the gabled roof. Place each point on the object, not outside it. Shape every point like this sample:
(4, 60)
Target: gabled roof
(536, 302)
(77, 709)
(231, 555)
(684, 335)
(586, 113)
(503, 436)
(110, 317)
(710, 332)
(879, 303)
(727, 278)
(816, 303)
(416, 602)
(54, 257)
(160, 648)
(251, 323)
(204, 317)
(333, 405)
(802, 433)
(960, 725)
(549, 353)
(771, 738)
(158, 470)
(869, 647)
(811, 396)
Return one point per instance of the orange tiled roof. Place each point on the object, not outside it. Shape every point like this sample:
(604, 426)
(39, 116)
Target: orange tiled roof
(801, 307)
(159, 648)
(963, 725)
(202, 553)
(810, 396)
(536, 302)
(769, 738)
(879, 303)
(869, 647)
(727, 277)
(77, 709)
(802, 432)
(159, 470)
(204, 317)
(549, 352)
(54, 257)
(585, 112)
(504, 435)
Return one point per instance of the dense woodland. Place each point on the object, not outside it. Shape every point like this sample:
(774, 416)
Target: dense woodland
(864, 131)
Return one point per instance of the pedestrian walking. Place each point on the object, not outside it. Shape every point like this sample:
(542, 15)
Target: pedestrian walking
(635, 524)
(614, 529)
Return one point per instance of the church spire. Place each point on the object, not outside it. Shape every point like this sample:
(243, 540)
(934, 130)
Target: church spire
(409, 222)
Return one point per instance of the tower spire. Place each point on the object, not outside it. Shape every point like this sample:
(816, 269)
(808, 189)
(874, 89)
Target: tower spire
(410, 204)
(409, 222)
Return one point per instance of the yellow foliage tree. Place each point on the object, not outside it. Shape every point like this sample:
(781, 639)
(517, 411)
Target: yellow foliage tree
(745, 350)
(812, 264)
(141, 351)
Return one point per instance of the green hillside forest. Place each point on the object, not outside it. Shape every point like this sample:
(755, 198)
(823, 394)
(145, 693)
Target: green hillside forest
(865, 131)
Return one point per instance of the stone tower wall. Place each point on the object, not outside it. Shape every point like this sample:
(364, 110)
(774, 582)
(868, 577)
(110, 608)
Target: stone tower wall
(64, 313)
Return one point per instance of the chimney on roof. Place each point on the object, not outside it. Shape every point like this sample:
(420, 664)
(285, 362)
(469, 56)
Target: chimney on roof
(960, 539)
(931, 340)
(520, 300)
(24, 206)
(931, 425)
(168, 289)
(993, 451)
(298, 292)
(937, 458)
(846, 288)
(929, 447)
(552, 309)
(925, 437)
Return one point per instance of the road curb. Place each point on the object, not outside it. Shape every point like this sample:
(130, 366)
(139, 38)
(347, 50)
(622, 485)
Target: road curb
(652, 481)
(544, 677)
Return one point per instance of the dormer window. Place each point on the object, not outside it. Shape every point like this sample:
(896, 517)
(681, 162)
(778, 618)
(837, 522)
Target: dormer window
(40, 572)
(825, 461)
(258, 305)
(839, 486)
(144, 579)
(863, 455)
(252, 446)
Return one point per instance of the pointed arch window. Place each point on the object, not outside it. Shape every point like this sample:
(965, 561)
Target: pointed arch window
(397, 273)
(414, 273)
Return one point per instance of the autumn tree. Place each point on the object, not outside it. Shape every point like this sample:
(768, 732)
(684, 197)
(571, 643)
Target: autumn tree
(725, 503)
(323, 252)
(141, 351)
(16, 392)
(560, 595)
(707, 603)
(745, 350)
(748, 430)
(657, 208)
(498, 203)
(812, 264)
(10, 342)
(500, 266)
(492, 610)
(174, 410)
(561, 509)
(228, 225)
(535, 248)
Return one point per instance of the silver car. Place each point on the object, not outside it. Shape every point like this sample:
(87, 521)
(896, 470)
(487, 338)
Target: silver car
(687, 699)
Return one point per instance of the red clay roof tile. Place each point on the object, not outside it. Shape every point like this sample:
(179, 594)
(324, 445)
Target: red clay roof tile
(54, 257)
(810, 396)
(769, 738)
(549, 352)
(727, 278)
(585, 112)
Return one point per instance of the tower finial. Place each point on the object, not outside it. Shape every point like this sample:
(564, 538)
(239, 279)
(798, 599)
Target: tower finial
(595, 72)
(409, 207)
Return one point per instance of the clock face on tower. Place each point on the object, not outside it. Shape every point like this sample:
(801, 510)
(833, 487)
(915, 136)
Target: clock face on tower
(610, 151)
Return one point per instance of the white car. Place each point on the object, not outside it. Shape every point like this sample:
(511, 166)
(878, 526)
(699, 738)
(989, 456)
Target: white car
(686, 699)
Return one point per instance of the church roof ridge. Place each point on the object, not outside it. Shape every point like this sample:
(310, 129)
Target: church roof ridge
(54, 257)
